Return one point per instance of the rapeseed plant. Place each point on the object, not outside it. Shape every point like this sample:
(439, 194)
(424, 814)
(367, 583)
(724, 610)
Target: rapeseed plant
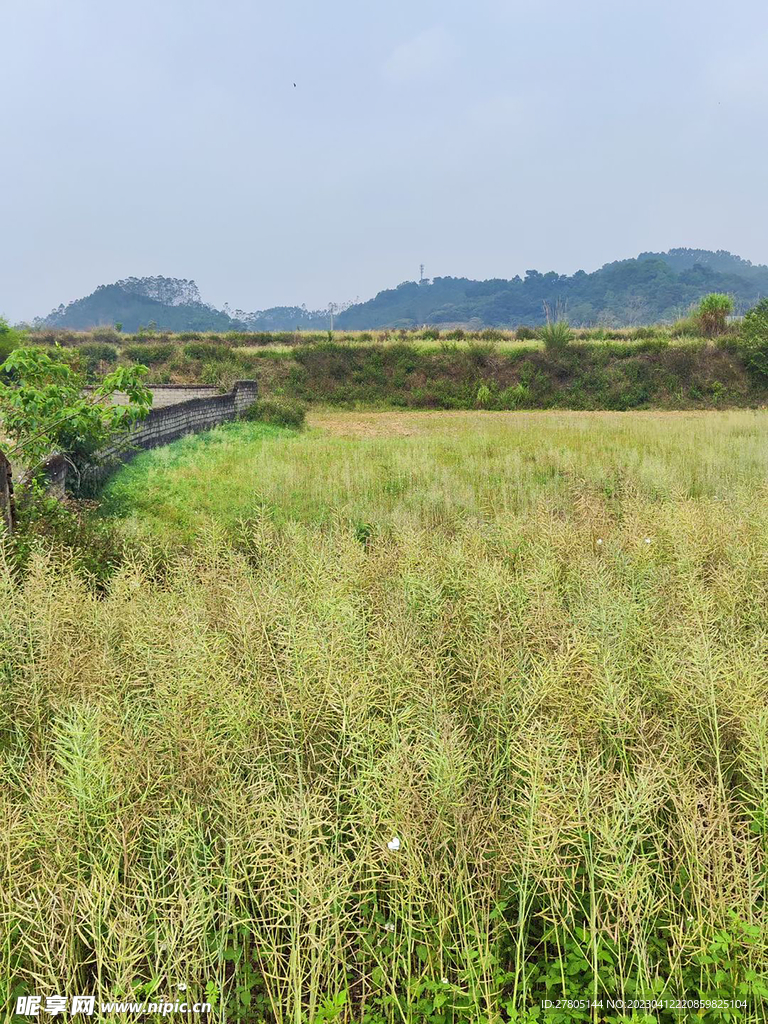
(202, 759)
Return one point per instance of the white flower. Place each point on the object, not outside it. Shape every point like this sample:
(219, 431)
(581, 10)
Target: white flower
(599, 540)
(393, 844)
(444, 981)
(389, 927)
(181, 986)
(647, 540)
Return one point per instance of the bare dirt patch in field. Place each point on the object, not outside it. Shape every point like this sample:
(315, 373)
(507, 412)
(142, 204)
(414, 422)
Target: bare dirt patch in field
(368, 424)
(409, 424)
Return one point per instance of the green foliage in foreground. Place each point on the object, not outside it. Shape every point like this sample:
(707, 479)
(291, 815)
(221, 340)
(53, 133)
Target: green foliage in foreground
(68, 530)
(44, 408)
(531, 647)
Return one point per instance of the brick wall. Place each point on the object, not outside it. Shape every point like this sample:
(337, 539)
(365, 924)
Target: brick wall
(167, 421)
(172, 394)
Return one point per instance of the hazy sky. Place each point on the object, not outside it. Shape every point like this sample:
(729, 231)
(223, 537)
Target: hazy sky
(481, 138)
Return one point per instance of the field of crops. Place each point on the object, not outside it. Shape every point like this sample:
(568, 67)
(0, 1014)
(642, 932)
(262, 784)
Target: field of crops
(408, 717)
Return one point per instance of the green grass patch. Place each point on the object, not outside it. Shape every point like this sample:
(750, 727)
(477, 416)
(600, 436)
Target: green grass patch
(179, 487)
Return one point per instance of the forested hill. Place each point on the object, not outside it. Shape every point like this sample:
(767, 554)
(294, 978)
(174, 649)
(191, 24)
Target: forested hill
(651, 288)
(171, 304)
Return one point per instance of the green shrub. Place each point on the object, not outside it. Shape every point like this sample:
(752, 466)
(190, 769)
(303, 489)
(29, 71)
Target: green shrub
(456, 335)
(431, 333)
(221, 372)
(524, 333)
(207, 351)
(686, 327)
(105, 334)
(484, 397)
(754, 327)
(149, 354)
(515, 396)
(93, 353)
(754, 336)
(712, 312)
(10, 338)
(556, 335)
(478, 353)
(627, 349)
(40, 337)
(717, 391)
(265, 337)
(236, 339)
(602, 334)
(277, 411)
(643, 333)
(491, 334)
(71, 529)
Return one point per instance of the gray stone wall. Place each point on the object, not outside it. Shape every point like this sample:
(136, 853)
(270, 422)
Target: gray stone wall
(166, 422)
(172, 394)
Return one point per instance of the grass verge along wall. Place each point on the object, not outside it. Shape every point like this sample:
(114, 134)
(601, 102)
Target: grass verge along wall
(163, 424)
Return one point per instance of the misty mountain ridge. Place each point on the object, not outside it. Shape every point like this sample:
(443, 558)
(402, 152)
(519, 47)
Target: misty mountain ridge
(652, 288)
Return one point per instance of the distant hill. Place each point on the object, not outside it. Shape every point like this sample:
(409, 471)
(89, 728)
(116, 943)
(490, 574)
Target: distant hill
(284, 318)
(723, 261)
(651, 288)
(171, 304)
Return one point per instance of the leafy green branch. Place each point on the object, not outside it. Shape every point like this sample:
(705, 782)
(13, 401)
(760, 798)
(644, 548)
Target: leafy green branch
(45, 407)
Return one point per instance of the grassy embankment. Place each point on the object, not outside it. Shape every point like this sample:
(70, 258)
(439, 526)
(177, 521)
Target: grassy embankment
(645, 368)
(532, 647)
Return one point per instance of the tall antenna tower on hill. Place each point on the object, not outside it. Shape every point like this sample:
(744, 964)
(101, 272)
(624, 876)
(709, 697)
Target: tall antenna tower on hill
(422, 279)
